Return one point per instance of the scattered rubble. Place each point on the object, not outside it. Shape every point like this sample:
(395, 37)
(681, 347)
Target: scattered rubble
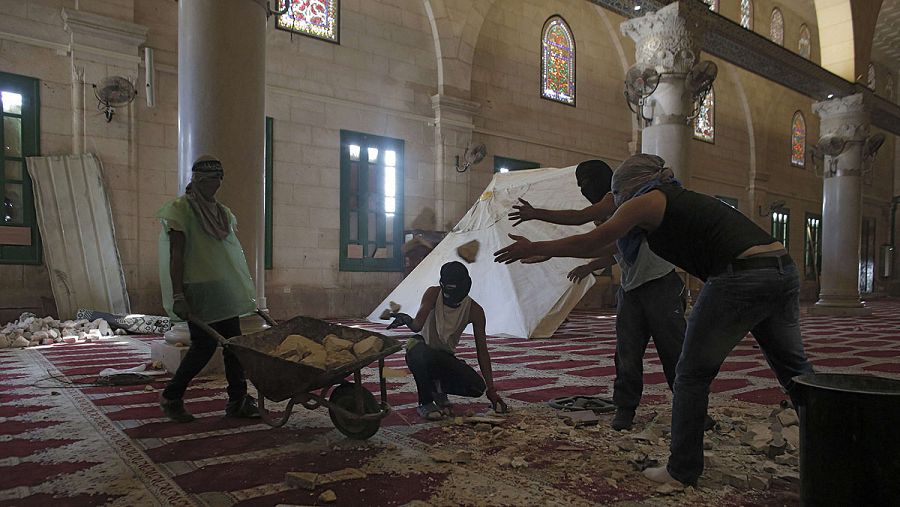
(469, 251)
(30, 330)
(328, 496)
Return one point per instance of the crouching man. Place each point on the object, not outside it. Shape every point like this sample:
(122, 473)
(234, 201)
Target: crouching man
(444, 313)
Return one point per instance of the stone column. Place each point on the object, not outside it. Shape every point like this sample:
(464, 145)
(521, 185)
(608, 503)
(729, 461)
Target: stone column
(452, 133)
(221, 109)
(846, 118)
(663, 42)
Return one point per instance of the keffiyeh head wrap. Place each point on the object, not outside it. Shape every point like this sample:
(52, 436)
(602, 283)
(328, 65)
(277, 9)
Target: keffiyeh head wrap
(212, 215)
(636, 176)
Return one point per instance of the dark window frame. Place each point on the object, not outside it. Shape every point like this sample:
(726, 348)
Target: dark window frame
(29, 88)
(513, 164)
(367, 262)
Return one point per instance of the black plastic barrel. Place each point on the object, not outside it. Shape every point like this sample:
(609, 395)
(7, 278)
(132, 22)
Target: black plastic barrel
(849, 440)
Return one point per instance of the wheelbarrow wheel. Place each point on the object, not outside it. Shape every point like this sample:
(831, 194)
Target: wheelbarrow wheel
(344, 396)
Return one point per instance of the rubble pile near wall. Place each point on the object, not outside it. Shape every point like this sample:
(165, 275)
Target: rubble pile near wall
(30, 330)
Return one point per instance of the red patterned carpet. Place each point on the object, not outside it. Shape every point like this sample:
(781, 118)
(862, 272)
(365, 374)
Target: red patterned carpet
(74, 445)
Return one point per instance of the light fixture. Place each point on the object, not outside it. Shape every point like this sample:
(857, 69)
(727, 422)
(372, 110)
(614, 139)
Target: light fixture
(830, 96)
(637, 7)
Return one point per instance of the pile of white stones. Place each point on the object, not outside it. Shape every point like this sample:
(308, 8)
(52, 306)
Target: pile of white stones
(30, 330)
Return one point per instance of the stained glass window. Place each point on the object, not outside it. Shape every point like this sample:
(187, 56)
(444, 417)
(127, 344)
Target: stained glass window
(870, 77)
(315, 18)
(747, 14)
(798, 140)
(776, 30)
(558, 62)
(704, 123)
(713, 5)
(804, 41)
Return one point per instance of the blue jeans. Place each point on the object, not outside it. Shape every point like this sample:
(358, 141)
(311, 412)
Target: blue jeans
(655, 309)
(765, 302)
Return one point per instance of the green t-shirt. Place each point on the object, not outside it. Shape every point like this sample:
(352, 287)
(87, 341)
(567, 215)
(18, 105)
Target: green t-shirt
(217, 283)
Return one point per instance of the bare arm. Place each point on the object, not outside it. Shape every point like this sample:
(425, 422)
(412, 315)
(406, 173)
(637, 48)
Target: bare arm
(429, 299)
(523, 212)
(479, 323)
(645, 211)
(176, 260)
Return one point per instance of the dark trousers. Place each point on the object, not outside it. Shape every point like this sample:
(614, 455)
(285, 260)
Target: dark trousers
(655, 309)
(431, 366)
(203, 346)
(765, 302)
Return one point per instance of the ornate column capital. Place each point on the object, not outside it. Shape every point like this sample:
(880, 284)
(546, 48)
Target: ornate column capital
(847, 117)
(663, 40)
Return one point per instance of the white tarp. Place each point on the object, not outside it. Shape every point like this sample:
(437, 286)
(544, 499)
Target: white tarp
(521, 300)
(79, 239)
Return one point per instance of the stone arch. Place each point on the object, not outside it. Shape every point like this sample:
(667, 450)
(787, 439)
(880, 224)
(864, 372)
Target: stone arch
(455, 25)
(851, 26)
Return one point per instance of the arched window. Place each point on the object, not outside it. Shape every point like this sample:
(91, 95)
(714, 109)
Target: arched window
(747, 14)
(315, 18)
(870, 77)
(776, 29)
(713, 5)
(558, 61)
(705, 122)
(804, 45)
(798, 140)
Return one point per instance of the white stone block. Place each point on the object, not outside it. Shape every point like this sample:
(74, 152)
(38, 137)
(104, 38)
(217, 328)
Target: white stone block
(171, 356)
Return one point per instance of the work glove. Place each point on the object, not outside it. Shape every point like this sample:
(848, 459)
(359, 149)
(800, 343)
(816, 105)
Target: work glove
(400, 319)
(180, 307)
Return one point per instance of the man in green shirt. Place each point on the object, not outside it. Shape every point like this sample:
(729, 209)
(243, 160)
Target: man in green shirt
(204, 278)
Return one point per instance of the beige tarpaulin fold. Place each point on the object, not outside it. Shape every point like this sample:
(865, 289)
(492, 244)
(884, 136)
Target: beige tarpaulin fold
(79, 238)
(522, 300)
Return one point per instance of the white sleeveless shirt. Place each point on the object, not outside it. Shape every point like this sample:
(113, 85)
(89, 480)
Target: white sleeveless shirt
(445, 325)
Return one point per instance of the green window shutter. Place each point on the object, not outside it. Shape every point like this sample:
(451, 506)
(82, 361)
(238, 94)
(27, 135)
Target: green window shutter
(20, 241)
(371, 202)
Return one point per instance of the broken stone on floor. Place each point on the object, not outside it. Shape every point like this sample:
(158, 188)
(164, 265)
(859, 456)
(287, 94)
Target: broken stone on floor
(30, 330)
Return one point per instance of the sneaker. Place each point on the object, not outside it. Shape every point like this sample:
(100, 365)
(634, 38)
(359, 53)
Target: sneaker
(623, 419)
(174, 410)
(244, 408)
(430, 411)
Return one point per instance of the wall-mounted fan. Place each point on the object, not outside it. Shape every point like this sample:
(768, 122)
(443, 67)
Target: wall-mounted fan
(472, 156)
(113, 92)
(640, 83)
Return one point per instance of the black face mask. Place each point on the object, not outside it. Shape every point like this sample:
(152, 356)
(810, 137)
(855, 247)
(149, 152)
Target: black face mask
(454, 293)
(592, 191)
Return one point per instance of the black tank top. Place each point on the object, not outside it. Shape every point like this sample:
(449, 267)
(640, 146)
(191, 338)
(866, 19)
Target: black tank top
(701, 234)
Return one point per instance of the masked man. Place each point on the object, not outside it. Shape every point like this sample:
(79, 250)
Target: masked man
(445, 312)
(204, 277)
(650, 299)
(750, 284)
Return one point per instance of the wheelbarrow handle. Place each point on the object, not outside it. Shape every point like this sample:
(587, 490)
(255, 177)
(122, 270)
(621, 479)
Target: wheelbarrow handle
(209, 330)
(265, 316)
(221, 339)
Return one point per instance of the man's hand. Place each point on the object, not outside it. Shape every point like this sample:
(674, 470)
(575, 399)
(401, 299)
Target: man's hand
(180, 307)
(578, 274)
(498, 404)
(514, 252)
(536, 259)
(400, 319)
(523, 212)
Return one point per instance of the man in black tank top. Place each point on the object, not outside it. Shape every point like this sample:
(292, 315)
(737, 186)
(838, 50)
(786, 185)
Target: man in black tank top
(751, 285)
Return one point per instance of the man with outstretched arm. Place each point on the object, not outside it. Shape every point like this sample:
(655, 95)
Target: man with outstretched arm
(751, 284)
(650, 298)
(445, 312)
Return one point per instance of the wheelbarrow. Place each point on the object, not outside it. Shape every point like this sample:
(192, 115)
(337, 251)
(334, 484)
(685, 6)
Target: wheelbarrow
(352, 408)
